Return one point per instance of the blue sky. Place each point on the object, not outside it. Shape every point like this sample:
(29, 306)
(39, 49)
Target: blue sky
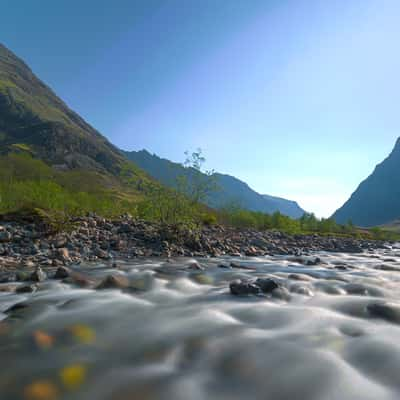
(297, 98)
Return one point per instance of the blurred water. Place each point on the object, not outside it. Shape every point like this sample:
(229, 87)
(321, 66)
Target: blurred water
(178, 333)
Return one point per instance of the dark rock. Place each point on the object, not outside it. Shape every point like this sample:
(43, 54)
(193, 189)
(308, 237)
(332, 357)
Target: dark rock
(102, 254)
(5, 278)
(26, 289)
(5, 236)
(242, 288)
(38, 275)
(266, 285)
(62, 273)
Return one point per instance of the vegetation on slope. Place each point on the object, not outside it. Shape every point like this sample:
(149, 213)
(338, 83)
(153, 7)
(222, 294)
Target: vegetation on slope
(230, 189)
(27, 183)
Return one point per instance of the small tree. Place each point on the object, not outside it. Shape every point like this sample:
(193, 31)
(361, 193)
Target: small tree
(196, 184)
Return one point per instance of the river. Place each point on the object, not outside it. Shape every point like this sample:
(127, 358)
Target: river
(178, 333)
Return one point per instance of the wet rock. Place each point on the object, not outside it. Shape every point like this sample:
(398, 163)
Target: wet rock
(241, 266)
(38, 275)
(281, 293)
(62, 273)
(63, 253)
(301, 289)
(202, 279)
(8, 288)
(114, 282)
(5, 236)
(194, 265)
(28, 264)
(309, 261)
(60, 241)
(266, 285)
(79, 280)
(26, 289)
(102, 254)
(242, 288)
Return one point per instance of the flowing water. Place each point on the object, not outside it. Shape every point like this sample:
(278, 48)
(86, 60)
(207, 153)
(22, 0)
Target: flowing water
(178, 333)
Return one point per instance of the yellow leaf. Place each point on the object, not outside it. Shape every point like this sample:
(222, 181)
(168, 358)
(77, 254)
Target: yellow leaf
(43, 339)
(41, 390)
(73, 376)
(83, 333)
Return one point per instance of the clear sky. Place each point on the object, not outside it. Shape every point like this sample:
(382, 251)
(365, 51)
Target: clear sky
(298, 98)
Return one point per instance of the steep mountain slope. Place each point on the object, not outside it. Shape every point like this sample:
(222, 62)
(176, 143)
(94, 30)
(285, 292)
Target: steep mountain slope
(51, 158)
(376, 201)
(32, 115)
(230, 190)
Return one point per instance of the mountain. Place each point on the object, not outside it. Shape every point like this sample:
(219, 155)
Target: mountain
(31, 114)
(51, 159)
(376, 201)
(287, 207)
(230, 190)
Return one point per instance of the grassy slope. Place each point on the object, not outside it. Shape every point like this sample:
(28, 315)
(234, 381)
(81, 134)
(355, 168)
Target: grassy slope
(47, 151)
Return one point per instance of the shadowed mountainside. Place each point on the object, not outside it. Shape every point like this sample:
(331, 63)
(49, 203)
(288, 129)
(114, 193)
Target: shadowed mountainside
(230, 190)
(376, 201)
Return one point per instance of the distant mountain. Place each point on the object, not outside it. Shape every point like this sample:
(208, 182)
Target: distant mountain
(287, 207)
(377, 199)
(231, 191)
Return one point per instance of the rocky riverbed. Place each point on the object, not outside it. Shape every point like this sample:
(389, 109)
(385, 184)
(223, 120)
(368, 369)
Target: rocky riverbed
(321, 326)
(30, 244)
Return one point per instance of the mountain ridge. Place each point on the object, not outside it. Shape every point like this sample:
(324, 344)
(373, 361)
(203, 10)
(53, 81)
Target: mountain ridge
(231, 191)
(376, 200)
(31, 113)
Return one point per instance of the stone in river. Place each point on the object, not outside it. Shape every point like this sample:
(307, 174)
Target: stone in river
(26, 289)
(62, 273)
(38, 275)
(266, 285)
(102, 254)
(194, 265)
(241, 287)
(113, 282)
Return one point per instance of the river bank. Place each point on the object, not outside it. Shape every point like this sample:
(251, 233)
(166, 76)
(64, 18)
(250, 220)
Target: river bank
(27, 244)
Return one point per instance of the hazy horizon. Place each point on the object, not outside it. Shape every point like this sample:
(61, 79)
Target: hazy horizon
(296, 98)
